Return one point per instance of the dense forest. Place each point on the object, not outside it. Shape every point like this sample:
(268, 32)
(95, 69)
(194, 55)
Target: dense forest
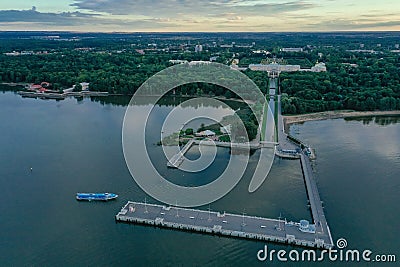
(358, 80)
(370, 83)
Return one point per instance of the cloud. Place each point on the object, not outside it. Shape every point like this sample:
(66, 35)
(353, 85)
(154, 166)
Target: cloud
(206, 15)
(189, 7)
(31, 15)
(348, 24)
(77, 20)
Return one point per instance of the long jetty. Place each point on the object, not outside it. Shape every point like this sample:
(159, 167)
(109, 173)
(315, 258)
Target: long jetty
(292, 148)
(177, 159)
(317, 210)
(32, 94)
(317, 235)
(217, 223)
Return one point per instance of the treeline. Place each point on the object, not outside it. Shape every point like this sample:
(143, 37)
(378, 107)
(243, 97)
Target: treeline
(372, 83)
(115, 73)
(356, 81)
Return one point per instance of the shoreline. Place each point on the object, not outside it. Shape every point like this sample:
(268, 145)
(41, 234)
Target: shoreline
(222, 98)
(325, 115)
(16, 84)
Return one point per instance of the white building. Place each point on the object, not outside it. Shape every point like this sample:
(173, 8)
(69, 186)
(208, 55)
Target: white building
(198, 48)
(292, 49)
(206, 133)
(274, 67)
(319, 67)
(177, 61)
(85, 86)
(260, 52)
(199, 62)
(226, 46)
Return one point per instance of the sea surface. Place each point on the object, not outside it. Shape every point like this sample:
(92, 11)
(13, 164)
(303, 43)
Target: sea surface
(75, 145)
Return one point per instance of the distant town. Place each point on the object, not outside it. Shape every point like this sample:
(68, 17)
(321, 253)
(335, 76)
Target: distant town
(319, 71)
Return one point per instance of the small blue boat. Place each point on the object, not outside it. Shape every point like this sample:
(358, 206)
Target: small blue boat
(96, 196)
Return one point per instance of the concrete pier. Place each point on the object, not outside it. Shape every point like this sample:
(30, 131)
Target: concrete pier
(286, 149)
(220, 223)
(316, 235)
(177, 159)
(317, 210)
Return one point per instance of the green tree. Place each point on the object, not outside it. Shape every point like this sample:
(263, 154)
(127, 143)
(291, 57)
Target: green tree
(189, 131)
(77, 87)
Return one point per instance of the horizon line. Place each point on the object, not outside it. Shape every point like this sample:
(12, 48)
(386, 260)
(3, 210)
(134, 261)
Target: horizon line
(131, 32)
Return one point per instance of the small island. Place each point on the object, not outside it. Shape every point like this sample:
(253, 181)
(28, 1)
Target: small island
(213, 132)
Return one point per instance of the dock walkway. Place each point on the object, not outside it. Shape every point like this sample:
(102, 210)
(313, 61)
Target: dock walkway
(242, 226)
(217, 223)
(178, 158)
(317, 210)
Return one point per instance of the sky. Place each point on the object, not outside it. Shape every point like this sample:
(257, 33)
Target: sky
(200, 15)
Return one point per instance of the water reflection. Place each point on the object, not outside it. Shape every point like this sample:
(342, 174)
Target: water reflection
(168, 101)
(380, 120)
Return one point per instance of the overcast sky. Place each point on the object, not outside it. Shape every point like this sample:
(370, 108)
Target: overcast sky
(200, 15)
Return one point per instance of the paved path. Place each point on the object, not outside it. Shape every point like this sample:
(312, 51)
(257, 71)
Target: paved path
(221, 223)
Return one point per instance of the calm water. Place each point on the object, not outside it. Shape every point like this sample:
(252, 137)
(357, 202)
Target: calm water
(75, 146)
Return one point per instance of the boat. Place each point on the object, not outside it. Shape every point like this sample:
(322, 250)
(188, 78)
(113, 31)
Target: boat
(96, 196)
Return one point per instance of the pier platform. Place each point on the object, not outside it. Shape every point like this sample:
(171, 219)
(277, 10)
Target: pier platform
(217, 223)
(317, 210)
(177, 159)
(316, 235)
